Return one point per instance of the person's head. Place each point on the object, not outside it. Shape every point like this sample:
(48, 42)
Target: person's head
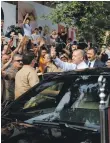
(5, 58)
(6, 49)
(78, 56)
(74, 47)
(54, 32)
(64, 58)
(69, 40)
(36, 30)
(27, 58)
(62, 30)
(40, 29)
(102, 50)
(108, 63)
(17, 61)
(47, 58)
(27, 21)
(91, 54)
(43, 52)
(12, 34)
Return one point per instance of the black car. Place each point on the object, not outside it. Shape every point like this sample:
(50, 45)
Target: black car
(64, 107)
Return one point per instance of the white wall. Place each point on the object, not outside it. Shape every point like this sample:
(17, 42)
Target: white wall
(9, 15)
(41, 10)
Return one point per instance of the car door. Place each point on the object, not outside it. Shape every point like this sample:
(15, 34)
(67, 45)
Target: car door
(40, 99)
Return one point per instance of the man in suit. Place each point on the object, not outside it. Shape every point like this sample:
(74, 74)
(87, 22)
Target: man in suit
(92, 61)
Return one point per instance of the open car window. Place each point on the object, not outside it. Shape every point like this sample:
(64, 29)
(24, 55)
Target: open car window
(39, 97)
(46, 98)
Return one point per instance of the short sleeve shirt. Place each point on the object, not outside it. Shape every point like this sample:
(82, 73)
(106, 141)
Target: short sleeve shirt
(27, 30)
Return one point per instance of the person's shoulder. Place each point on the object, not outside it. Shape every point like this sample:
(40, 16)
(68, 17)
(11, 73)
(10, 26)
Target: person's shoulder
(30, 69)
(19, 72)
(99, 62)
(52, 65)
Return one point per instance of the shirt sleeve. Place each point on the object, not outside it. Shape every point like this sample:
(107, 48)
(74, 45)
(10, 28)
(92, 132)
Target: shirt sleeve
(33, 78)
(10, 74)
(64, 65)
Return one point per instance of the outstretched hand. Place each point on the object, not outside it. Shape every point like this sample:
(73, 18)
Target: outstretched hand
(53, 53)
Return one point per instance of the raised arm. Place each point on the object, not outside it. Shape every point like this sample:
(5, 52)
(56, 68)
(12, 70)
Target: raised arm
(63, 65)
(25, 18)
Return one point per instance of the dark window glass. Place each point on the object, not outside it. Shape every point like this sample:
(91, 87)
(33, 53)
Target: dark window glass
(83, 108)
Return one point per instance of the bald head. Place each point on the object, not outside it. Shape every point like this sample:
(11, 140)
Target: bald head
(78, 56)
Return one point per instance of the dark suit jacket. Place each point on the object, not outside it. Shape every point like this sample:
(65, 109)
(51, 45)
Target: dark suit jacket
(97, 64)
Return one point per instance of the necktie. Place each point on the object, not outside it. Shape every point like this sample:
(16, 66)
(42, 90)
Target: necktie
(89, 64)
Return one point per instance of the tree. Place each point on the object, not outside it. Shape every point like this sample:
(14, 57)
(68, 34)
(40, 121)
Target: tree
(91, 18)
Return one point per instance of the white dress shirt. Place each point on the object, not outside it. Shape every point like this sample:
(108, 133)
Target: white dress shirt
(92, 63)
(69, 66)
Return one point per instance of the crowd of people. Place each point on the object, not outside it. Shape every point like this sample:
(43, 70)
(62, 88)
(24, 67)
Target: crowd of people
(27, 55)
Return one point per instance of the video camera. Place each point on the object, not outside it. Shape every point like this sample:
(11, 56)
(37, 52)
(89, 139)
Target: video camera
(15, 29)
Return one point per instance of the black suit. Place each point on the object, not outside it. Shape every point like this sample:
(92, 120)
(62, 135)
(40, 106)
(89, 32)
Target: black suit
(97, 64)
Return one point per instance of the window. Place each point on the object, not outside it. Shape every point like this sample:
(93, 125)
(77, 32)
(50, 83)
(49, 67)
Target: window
(84, 105)
(46, 98)
(39, 97)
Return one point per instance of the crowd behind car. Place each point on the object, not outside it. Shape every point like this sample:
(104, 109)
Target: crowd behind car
(27, 55)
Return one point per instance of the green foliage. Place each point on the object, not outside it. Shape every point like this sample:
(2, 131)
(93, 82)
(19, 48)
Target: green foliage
(91, 18)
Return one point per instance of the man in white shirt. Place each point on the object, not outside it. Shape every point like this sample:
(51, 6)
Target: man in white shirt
(93, 62)
(77, 58)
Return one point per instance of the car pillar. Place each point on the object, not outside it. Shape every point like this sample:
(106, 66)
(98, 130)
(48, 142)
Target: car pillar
(102, 107)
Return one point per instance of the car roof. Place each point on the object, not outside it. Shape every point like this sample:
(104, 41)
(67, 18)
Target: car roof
(92, 71)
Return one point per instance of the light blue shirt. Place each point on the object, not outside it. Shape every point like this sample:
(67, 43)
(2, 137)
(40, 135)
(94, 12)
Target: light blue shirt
(69, 66)
(27, 30)
(34, 37)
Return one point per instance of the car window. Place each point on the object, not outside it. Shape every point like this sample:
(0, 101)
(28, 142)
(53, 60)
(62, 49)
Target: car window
(39, 97)
(46, 98)
(84, 105)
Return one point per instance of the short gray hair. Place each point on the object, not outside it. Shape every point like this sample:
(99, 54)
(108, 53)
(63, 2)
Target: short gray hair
(82, 52)
(17, 55)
